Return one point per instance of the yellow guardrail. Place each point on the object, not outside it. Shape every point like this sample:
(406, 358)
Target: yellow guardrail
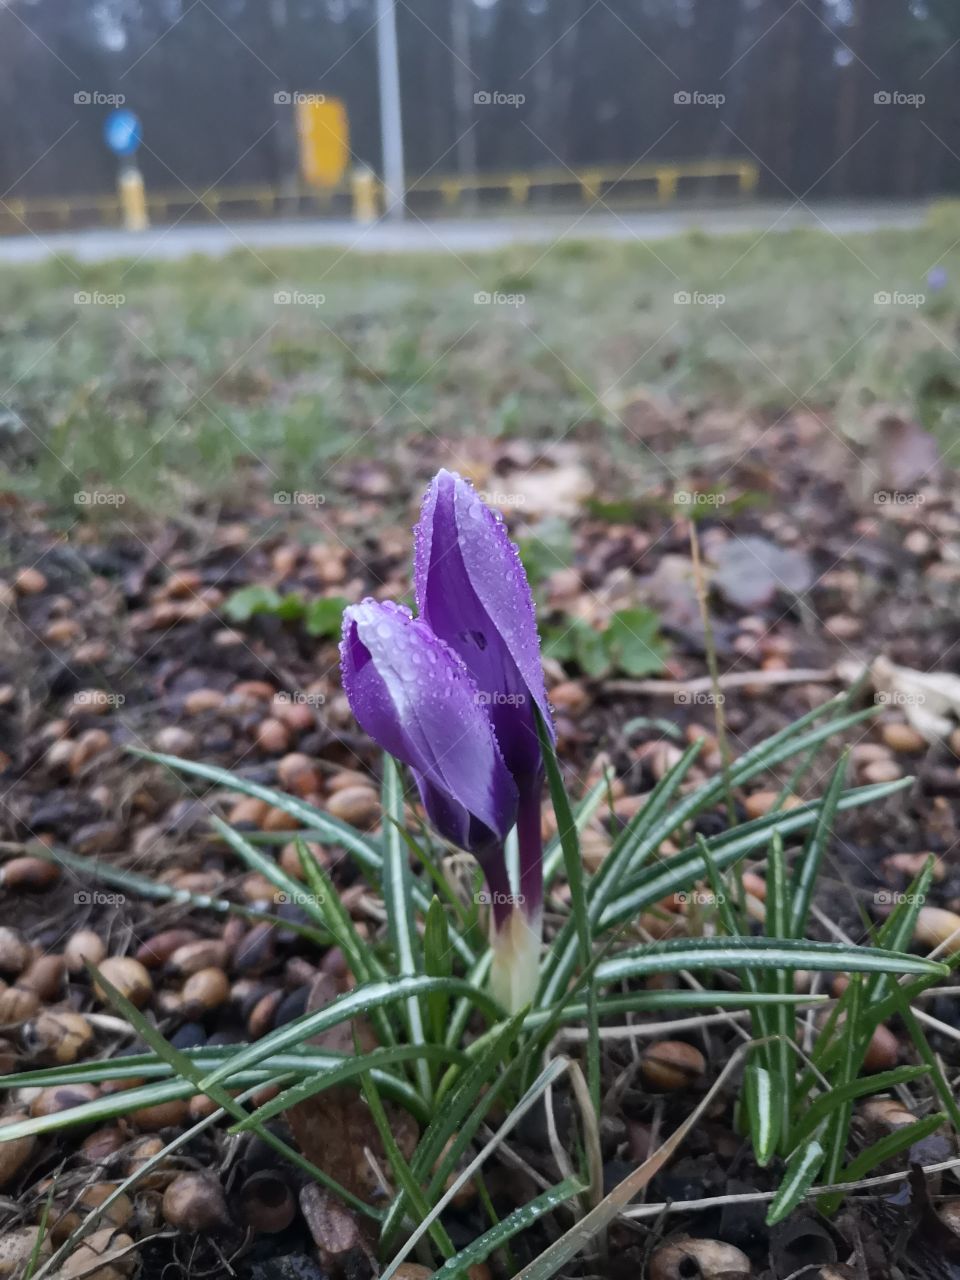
(362, 197)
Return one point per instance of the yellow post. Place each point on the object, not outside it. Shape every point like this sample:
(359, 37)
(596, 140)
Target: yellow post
(364, 185)
(666, 184)
(133, 202)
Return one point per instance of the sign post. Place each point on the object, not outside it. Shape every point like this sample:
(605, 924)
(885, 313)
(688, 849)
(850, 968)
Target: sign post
(121, 132)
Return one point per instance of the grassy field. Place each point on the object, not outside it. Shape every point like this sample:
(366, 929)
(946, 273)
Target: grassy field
(170, 381)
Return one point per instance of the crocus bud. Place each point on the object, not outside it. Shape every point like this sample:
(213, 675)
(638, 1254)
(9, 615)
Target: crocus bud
(455, 694)
(473, 592)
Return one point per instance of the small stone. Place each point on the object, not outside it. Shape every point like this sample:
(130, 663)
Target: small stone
(359, 806)
(194, 1202)
(903, 737)
(672, 1064)
(129, 977)
(29, 582)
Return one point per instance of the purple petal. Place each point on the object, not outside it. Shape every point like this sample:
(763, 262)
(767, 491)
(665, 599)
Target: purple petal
(472, 590)
(414, 697)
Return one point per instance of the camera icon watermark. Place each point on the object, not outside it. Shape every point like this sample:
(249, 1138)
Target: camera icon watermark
(896, 98)
(298, 498)
(694, 298)
(97, 299)
(298, 899)
(500, 699)
(488, 898)
(899, 698)
(897, 498)
(699, 898)
(96, 898)
(300, 699)
(97, 700)
(94, 98)
(298, 298)
(496, 299)
(897, 298)
(691, 498)
(695, 98)
(98, 498)
(698, 698)
(493, 498)
(289, 98)
(494, 98)
(892, 898)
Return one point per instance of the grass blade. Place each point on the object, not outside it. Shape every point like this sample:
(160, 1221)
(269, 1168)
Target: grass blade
(674, 954)
(186, 1069)
(570, 844)
(481, 1248)
(398, 899)
(798, 1178)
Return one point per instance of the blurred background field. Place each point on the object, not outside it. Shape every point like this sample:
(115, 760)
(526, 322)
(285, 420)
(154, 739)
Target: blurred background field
(177, 382)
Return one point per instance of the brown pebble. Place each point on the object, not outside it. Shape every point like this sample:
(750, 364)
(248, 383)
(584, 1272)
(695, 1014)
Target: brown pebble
(83, 947)
(934, 926)
(129, 977)
(298, 717)
(30, 875)
(570, 696)
(17, 1006)
(59, 757)
(273, 737)
(883, 1050)
(156, 951)
(672, 1064)
(705, 1259)
(92, 1197)
(29, 582)
(15, 951)
(903, 737)
(249, 812)
(92, 743)
(101, 1247)
(63, 631)
(280, 820)
(254, 952)
(63, 1097)
(45, 976)
(200, 1107)
(201, 700)
(206, 989)
(206, 953)
(194, 1202)
(299, 774)
(760, 803)
(18, 1245)
(99, 1146)
(14, 1154)
(253, 690)
(261, 1016)
(163, 1115)
(881, 771)
(359, 806)
(174, 741)
(290, 859)
(57, 1036)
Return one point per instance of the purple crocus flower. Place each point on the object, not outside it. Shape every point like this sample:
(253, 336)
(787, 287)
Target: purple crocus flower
(937, 279)
(452, 694)
(473, 593)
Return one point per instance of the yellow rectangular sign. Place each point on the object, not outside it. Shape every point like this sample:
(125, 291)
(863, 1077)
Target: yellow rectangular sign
(323, 135)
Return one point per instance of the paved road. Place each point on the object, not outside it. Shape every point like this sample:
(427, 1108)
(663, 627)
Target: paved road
(457, 235)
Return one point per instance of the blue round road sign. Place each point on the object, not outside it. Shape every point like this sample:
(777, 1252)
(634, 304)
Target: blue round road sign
(121, 132)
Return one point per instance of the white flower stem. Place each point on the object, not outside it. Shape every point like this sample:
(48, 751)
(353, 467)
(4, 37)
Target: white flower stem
(515, 970)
